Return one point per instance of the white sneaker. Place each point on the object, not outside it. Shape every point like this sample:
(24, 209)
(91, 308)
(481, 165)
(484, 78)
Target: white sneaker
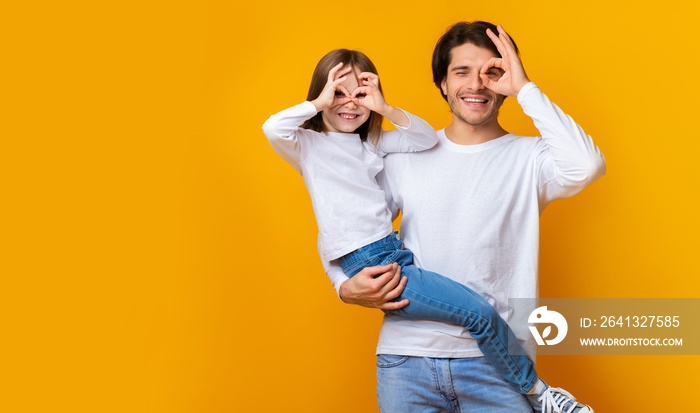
(556, 400)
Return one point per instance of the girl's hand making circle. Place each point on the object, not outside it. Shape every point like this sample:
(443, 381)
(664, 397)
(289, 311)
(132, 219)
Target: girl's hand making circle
(334, 94)
(369, 95)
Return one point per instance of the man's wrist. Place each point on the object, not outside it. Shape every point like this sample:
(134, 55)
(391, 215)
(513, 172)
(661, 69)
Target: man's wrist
(525, 89)
(522, 85)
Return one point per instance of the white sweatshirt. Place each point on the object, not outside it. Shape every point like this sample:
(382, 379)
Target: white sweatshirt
(471, 213)
(340, 173)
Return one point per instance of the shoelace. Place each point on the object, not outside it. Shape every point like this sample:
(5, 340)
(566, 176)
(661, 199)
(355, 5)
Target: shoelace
(554, 399)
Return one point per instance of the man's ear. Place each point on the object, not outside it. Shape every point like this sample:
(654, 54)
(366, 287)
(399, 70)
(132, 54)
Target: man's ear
(443, 86)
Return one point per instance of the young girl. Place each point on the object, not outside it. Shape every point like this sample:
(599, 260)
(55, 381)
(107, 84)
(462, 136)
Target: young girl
(335, 141)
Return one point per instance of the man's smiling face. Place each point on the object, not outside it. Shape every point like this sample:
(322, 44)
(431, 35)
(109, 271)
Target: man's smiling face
(469, 100)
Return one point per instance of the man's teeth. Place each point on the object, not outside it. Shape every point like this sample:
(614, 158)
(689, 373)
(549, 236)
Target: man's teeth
(472, 100)
(346, 116)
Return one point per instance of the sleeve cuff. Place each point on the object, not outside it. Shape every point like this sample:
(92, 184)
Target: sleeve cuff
(309, 108)
(410, 121)
(524, 91)
(337, 289)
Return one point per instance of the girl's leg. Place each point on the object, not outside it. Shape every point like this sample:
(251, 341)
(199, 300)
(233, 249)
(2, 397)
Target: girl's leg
(438, 298)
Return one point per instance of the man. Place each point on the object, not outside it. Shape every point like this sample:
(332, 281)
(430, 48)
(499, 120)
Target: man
(471, 208)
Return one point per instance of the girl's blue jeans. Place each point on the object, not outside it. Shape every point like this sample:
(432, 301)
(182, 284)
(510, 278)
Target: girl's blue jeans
(435, 297)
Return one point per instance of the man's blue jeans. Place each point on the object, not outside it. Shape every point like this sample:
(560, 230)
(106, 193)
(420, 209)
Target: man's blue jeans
(438, 298)
(430, 385)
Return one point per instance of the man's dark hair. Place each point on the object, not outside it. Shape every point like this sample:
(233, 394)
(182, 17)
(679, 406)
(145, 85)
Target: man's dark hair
(457, 35)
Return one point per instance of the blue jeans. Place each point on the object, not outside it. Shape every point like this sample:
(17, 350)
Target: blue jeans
(429, 385)
(435, 297)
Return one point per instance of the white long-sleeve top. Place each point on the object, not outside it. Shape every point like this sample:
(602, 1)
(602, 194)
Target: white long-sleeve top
(471, 213)
(340, 173)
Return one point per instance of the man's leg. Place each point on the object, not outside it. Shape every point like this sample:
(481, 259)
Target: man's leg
(408, 384)
(420, 384)
(481, 389)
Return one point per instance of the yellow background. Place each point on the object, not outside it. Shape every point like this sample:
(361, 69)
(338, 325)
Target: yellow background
(158, 256)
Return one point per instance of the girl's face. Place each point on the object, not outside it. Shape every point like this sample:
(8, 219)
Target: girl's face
(346, 118)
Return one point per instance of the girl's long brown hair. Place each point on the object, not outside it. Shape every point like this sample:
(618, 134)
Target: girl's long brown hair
(372, 128)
